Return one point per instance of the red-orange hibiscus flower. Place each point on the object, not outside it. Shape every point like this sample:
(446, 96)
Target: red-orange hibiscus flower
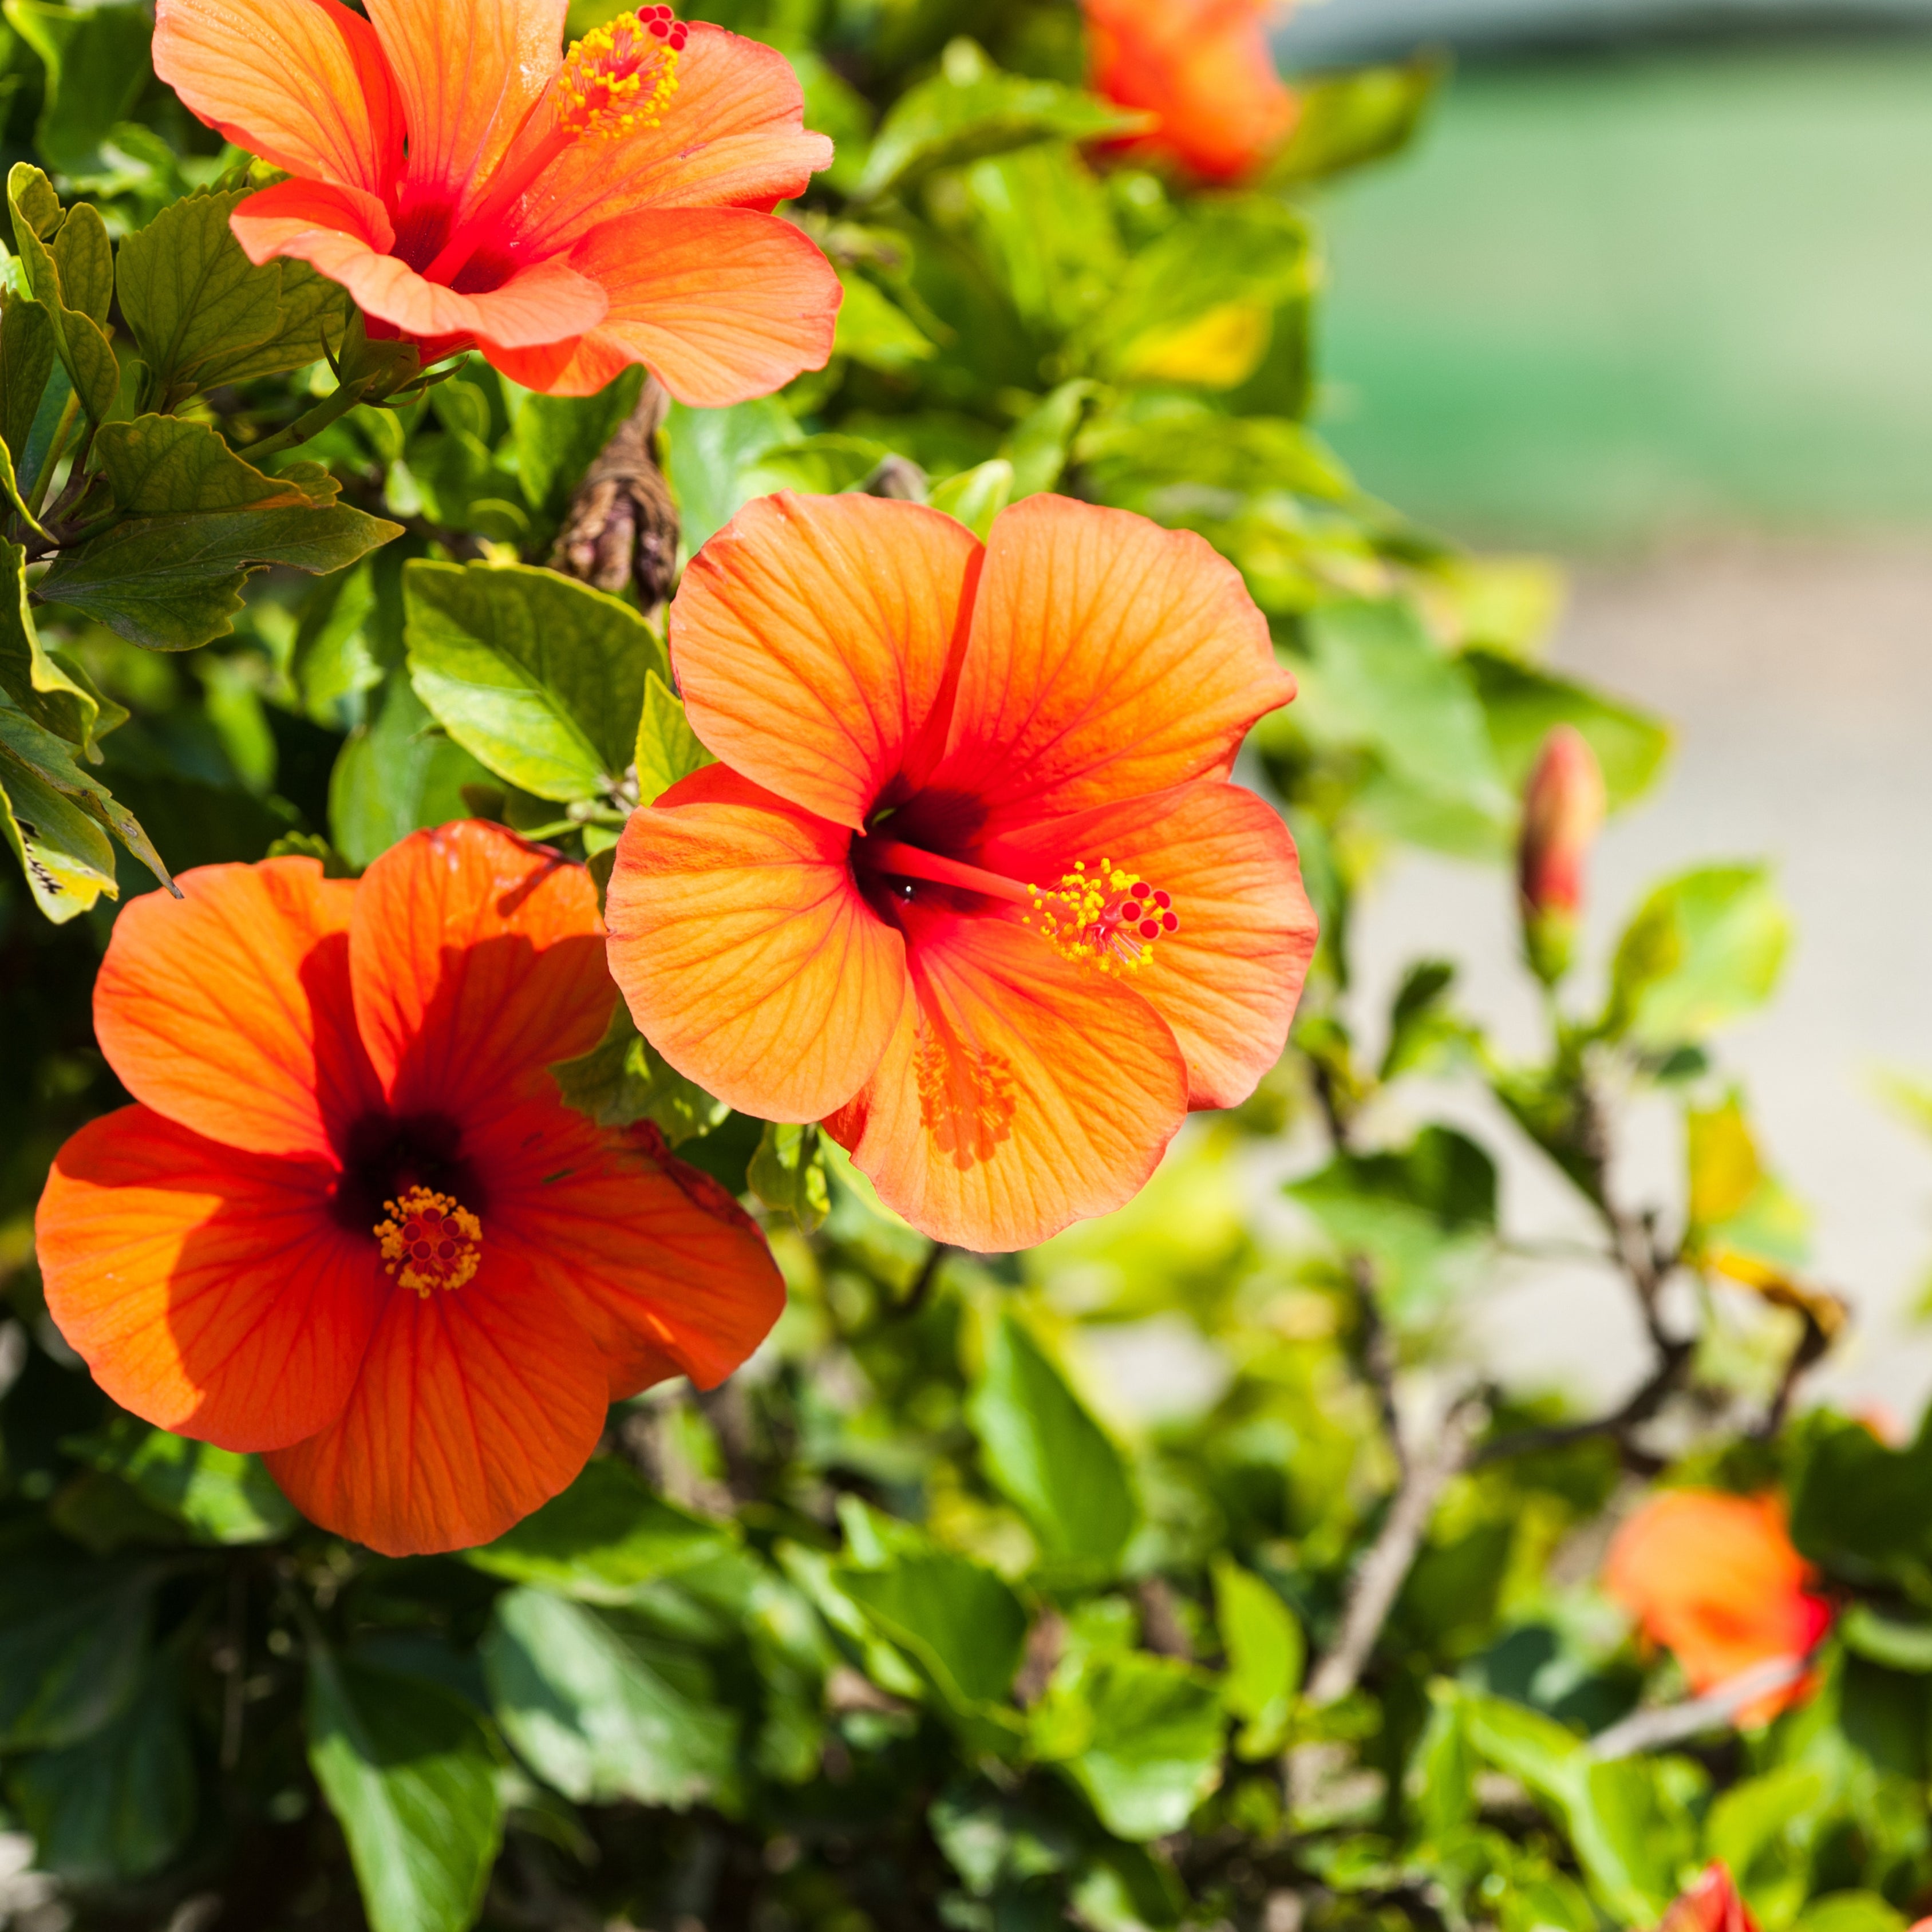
(1205, 68)
(1715, 1580)
(349, 1221)
(470, 186)
(1711, 1905)
(970, 885)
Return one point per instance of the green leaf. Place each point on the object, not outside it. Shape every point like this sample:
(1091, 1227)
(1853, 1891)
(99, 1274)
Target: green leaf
(221, 1497)
(72, 1638)
(602, 1537)
(56, 250)
(172, 583)
(204, 315)
(540, 676)
(1855, 1504)
(711, 451)
(957, 1622)
(1704, 949)
(27, 360)
(1347, 120)
(1045, 1452)
(158, 465)
(119, 1805)
(1039, 445)
(559, 437)
(396, 775)
(787, 1174)
(1850, 1912)
(1755, 1819)
(1899, 1643)
(334, 659)
(624, 1079)
(97, 63)
(602, 1714)
(58, 698)
(1147, 462)
(976, 496)
(969, 108)
(667, 749)
(1266, 1652)
(1146, 1734)
(410, 1773)
(873, 331)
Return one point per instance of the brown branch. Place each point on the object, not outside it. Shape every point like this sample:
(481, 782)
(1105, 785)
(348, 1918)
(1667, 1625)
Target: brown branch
(1675, 1358)
(1378, 1354)
(623, 527)
(1645, 1730)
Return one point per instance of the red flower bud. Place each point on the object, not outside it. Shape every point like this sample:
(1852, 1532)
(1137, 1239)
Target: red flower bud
(1562, 812)
(1711, 1905)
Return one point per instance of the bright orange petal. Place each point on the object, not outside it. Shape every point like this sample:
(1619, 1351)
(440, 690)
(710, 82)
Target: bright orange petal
(1109, 659)
(665, 1270)
(228, 1009)
(733, 135)
(1019, 1093)
(723, 304)
(811, 636)
(301, 83)
(477, 961)
(346, 236)
(1226, 983)
(209, 1290)
(748, 956)
(475, 1406)
(468, 75)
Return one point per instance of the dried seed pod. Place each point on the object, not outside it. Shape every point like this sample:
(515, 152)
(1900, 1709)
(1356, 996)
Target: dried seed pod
(622, 527)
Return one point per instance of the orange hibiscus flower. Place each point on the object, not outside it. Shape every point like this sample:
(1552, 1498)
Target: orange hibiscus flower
(1205, 68)
(472, 186)
(1711, 1905)
(349, 1221)
(969, 885)
(1715, 1580)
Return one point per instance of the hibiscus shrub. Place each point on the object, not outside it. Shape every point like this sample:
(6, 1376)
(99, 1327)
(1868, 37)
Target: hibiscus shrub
(396, 414)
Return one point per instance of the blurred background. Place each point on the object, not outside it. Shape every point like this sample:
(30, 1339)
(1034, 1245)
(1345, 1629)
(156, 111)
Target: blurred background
(1653, 295)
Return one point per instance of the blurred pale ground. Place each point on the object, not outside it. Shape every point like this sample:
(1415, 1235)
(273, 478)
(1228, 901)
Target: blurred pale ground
(1670, 315)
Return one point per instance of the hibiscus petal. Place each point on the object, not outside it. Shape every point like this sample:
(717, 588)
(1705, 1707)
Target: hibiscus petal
(346, 236)
(477, 961)
(301, 83)
(1226, 982)
(733, 135)
(228, 1009)
(468, 77)
(475, 1406)
(1020, 1092)
(665, 1270)
(724, 304)
(1109, 659)
(812, 637)
(749, 957)
(209, 1290)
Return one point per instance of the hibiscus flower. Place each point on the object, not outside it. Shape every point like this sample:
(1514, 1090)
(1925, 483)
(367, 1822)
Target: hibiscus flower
(349, 1222)
(1205, 68)
(1715, 1580)
(969, 885)
(472, 186)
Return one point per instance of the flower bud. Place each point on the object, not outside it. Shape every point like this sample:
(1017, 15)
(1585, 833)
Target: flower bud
(1562, 812)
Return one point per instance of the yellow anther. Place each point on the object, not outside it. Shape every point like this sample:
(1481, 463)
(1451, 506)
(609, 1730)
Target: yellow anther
(1108, 916)
(429, 1240)
(619, 76)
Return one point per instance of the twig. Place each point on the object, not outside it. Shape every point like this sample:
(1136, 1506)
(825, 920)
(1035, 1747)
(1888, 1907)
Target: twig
(1379, 1578)
(1813, 1344)
(1646, 1729)
(1378, 1351)
(1674, 1357)
(922, 1284)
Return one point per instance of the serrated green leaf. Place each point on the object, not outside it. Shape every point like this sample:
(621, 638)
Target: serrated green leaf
(788, 1174)
(172, 583)
(959, 1622)
(1046, 1453)
(96, 59)
(540, 676)
(409, 1771)
(600, 1712)
(970, 109)
(204, 314)
(27, 360)
(396, 775)
(160, 466)
(39, 230)
(623, 1079)
(56, 698)
(667, 749)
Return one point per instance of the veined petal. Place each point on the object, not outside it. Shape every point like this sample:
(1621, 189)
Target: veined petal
(228, 1009)
(1019, 1092)
(302, 83)
(664, 1269)
(1109, 659)
(1226, 982)
(733, 135)
(748, 956)
(723, 304)
(468, 77)
(347, 236)
(812, 637)
(474, 1407)
(209, 1290)
(478, 960)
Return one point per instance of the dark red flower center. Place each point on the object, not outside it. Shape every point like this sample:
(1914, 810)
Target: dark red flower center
(386, 1155)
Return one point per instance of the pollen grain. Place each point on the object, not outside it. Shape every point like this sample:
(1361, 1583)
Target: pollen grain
(619, 77)
(1103, 916)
